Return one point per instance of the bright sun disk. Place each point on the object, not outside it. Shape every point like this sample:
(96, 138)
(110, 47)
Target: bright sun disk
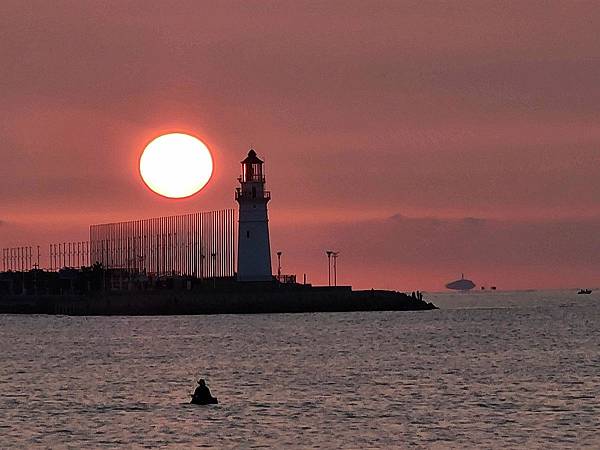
(176, 165)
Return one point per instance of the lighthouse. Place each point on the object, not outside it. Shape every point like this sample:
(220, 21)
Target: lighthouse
(254, 249)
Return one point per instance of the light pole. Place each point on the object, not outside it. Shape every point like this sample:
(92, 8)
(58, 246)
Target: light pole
(335, 255)
(279, 266)
(329, 253)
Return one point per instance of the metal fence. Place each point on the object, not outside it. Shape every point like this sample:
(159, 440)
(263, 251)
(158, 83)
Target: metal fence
(199, 244)
(69, 254)
(19, 259)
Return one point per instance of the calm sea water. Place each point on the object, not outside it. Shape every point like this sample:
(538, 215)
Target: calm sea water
(493, 370)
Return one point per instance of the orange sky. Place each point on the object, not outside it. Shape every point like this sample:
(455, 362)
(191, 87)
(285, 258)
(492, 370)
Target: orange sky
(420, 140)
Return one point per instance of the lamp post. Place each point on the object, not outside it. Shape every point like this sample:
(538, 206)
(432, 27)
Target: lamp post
(279, 266)
(329, 253)
(335, 255)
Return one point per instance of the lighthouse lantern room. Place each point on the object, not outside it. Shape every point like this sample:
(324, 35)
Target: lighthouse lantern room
(254, 249)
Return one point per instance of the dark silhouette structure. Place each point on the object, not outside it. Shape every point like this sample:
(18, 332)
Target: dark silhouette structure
(461, 285)
(99, 291)
(202, 395)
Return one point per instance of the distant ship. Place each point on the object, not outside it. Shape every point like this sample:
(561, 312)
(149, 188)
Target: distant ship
(461, 285)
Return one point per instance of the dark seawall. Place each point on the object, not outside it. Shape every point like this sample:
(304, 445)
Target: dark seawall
(251, 301)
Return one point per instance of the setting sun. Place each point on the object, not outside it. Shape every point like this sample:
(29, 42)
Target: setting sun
(176, 165)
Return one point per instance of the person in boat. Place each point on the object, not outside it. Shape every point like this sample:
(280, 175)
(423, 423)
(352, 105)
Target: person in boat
(202, 393)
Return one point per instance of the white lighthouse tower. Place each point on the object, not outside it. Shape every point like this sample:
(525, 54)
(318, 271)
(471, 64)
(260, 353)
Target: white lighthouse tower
(254, 249)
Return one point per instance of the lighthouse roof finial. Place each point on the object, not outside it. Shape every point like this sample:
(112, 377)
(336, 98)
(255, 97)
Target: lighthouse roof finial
(252, 158)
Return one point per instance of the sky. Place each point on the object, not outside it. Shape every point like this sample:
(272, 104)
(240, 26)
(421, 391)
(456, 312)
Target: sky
(420, 139)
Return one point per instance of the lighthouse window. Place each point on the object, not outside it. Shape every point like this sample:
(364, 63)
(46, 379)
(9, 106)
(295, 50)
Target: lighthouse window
(248, 234)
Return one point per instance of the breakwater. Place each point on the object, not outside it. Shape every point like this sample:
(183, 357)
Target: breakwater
(248, 301)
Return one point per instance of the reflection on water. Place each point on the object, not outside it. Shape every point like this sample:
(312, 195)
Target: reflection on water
(521, 370)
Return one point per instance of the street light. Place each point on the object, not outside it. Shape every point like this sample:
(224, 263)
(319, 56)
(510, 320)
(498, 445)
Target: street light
(329, 253)
(335, 255)
(279, 266)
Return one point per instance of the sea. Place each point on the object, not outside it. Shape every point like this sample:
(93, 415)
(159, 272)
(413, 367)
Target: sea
(487, 370)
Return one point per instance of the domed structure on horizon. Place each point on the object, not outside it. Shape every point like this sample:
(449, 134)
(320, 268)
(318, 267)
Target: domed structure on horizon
(461, 285)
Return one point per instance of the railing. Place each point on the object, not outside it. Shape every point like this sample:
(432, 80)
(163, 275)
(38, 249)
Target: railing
(252, 178)
(286, 279)
(239, 194)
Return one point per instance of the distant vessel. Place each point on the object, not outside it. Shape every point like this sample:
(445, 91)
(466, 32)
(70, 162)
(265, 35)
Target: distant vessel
(493, 288)
(461, 285)
(585, 291)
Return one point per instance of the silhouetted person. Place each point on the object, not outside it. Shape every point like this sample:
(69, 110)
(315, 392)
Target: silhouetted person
(202, 394)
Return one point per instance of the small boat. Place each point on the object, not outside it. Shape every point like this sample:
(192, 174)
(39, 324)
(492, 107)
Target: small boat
(204, 401)
(585, 291)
